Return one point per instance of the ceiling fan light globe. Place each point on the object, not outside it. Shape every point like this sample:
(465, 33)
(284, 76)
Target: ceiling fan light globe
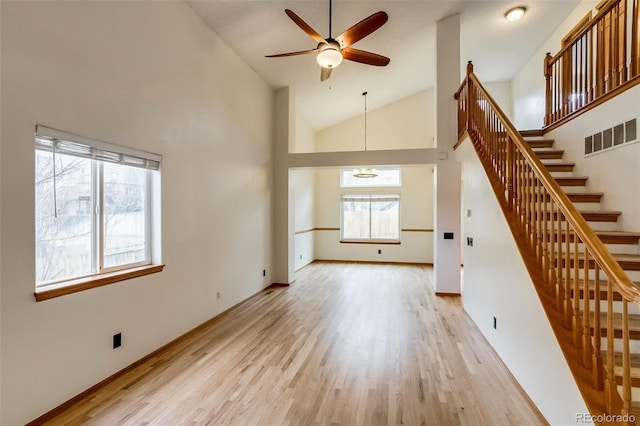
(329, 58)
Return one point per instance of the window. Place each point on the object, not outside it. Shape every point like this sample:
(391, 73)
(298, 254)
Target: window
(371, 217)
(386, 177)
(93, 208)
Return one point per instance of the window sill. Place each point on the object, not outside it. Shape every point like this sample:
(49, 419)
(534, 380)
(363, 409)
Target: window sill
(81, 284)
(370, 242)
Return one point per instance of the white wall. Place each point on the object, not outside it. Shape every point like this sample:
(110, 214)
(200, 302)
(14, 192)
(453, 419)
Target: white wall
(613, 171)
(303, 184)
(500, 91)
(1, 316)
(152, 76)
(405, 124)
(496, 284)
(416, 212)
(528, 85)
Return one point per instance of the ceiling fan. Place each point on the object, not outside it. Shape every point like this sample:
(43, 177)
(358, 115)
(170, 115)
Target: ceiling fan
(331, 51)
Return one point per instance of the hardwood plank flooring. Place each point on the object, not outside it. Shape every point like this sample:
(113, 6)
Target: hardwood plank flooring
(346, 344)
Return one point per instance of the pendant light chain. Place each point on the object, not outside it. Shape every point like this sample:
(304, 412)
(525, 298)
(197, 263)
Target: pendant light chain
(365, 119)
(365, 172)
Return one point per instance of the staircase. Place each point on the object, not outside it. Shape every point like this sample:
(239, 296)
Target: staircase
(585, 269)
(624, 246)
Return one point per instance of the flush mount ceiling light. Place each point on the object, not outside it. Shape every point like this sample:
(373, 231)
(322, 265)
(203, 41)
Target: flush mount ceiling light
(514, 14)
(365, 172)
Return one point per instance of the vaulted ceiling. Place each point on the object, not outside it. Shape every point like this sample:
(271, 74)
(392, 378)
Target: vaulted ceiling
(497, 47)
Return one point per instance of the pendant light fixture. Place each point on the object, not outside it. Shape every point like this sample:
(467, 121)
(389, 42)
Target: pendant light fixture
(365, 172)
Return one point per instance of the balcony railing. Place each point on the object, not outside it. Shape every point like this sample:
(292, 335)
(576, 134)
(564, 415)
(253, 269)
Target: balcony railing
(599, 62)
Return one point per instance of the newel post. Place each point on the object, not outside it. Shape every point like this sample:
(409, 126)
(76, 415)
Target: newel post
(470, 94)
(547, 93)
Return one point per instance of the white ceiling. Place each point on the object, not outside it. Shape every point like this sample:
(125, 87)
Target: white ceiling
(497, 47)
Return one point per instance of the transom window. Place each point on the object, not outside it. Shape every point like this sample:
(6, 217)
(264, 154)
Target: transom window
(93, 207)
(371, 217)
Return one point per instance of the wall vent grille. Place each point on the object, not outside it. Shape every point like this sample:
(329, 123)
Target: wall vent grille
(609, 138)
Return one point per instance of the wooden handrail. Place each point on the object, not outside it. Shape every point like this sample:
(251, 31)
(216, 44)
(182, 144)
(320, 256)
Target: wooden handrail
(550, 230)
(602, 256)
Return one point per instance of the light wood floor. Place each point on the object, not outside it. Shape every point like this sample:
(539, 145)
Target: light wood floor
(348, 344)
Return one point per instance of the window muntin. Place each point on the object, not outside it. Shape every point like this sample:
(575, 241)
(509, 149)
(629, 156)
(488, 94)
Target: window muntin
(93, 209)
(371, 217)
(385, 178)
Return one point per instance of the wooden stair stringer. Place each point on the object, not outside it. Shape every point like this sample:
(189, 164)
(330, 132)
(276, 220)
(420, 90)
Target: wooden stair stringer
(583, 377)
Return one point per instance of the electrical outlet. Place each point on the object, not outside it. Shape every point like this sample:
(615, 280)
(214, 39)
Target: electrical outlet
(300, 257)
(264, 272)
(495, 323)
(218, 295)
(117, 340)
(379, 251)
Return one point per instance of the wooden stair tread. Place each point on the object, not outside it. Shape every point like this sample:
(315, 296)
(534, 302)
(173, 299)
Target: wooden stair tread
(634, 324)
(634, 374)
(617, 360)
(550, 154)
(540, 143)
(571, 180)
(593, 215)
(579, 197)
(607, 237)
(618, 237)
(560, 167)
(600, 215)
(629, 262)
(591, 286)
(584, 197)
(531, 132)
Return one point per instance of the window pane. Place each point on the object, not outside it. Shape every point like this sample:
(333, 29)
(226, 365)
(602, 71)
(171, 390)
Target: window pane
(63, 243)
(355, 220)
(385, 219)
(124, 220)
(386, 177)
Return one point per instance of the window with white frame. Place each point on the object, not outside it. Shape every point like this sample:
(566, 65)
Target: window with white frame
(371, 217)
(93, 207)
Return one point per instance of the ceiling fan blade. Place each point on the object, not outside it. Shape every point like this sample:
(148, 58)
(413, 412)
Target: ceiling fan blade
(364, 57)
(325, 73)
(304, 26)
(302, 52)
(362, 29)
